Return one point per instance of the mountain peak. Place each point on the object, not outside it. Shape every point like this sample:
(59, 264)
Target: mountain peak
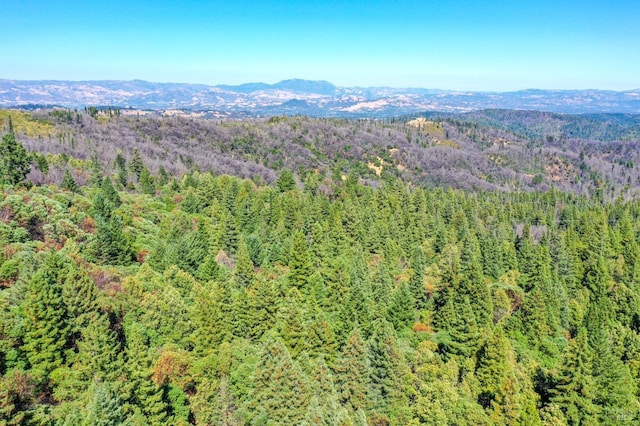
(320, 87)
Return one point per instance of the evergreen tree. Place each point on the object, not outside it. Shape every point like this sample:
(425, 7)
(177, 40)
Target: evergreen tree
(210, 317)
(401, 311)
(353, 372)
(163, 176)
(575, 389)
(291, 325)
(80, 296)
(99, 352)
(110, 245)
(135, 164)
(110, 194)
(492, 367)
(300, 266)
(14, 160)
(258, 313)
(244, 266)
(385, 386)
(69, 183)
(285, 181)
(105, 407)
(147, 183)
(141, 390)
(416, 282)
(281, 393)
(46, 328)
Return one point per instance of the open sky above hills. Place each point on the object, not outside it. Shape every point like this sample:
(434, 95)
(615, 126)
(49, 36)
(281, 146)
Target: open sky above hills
(495, 45)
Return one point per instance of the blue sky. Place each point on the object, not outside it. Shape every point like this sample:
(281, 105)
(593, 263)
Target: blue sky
(496, 45)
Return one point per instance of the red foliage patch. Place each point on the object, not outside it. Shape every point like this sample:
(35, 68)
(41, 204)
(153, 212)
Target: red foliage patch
(421, 328)
(88, 225)
(170, 367)
(142, 255)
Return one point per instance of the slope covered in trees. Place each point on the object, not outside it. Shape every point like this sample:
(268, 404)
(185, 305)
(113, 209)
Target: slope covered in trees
(496, 150)
(140, 298)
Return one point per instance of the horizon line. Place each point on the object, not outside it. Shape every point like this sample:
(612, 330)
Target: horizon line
(318, 81)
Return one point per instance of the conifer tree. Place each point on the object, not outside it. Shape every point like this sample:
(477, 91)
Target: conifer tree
(492, 368)
(385, 386)
(68, 182)
(416, 282)
(281, 393)
(110, 194)
(147, 183)
(401, 312)
(80, 296)
(210, 318)
(141, 391)
(285, 181)
(353, 372)
(472, 283)
(243, 273)
(46, 328)
(575, 389)
(135, 164)
(300, 266)
(105, 407)
(14, 160)
(99, 352)
(291, 325)
(110, 245)
(613, 384)
(259, 313)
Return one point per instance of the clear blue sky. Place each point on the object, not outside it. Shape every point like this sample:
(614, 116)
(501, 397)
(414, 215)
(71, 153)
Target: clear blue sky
(463, 45)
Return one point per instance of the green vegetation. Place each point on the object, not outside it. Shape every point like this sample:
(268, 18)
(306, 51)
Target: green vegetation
(215, 300)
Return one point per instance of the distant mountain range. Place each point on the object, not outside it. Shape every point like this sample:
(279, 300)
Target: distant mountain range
(315, 98)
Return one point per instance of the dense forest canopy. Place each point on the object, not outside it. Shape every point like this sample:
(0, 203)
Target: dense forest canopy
(266, 280)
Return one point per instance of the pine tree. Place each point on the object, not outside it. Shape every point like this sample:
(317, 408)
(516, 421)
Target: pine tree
(416, 282)
(258, 314)
(135, 164)
(385, 386)
(243, 273)
(163, 176)
(110, 194)
(613, 384)
(210, 318)
(291, 325)
(401, 312)
(69, 183)
(492, 368)
(46, 328)
(281, 393)
(210, 270)
(147, 183)
(575, 389)
(300, 266)
(472, 283)
(99, 352)
(353, 372)
(110, 245)
(80, 296)
(105, 408)
(285, 181)
(14, 160)
(141, 390)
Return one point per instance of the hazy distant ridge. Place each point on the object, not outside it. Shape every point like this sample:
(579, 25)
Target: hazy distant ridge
(298, 96)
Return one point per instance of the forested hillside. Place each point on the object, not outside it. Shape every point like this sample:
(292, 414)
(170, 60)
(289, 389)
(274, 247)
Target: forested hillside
(495, 150)
(137, 290)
